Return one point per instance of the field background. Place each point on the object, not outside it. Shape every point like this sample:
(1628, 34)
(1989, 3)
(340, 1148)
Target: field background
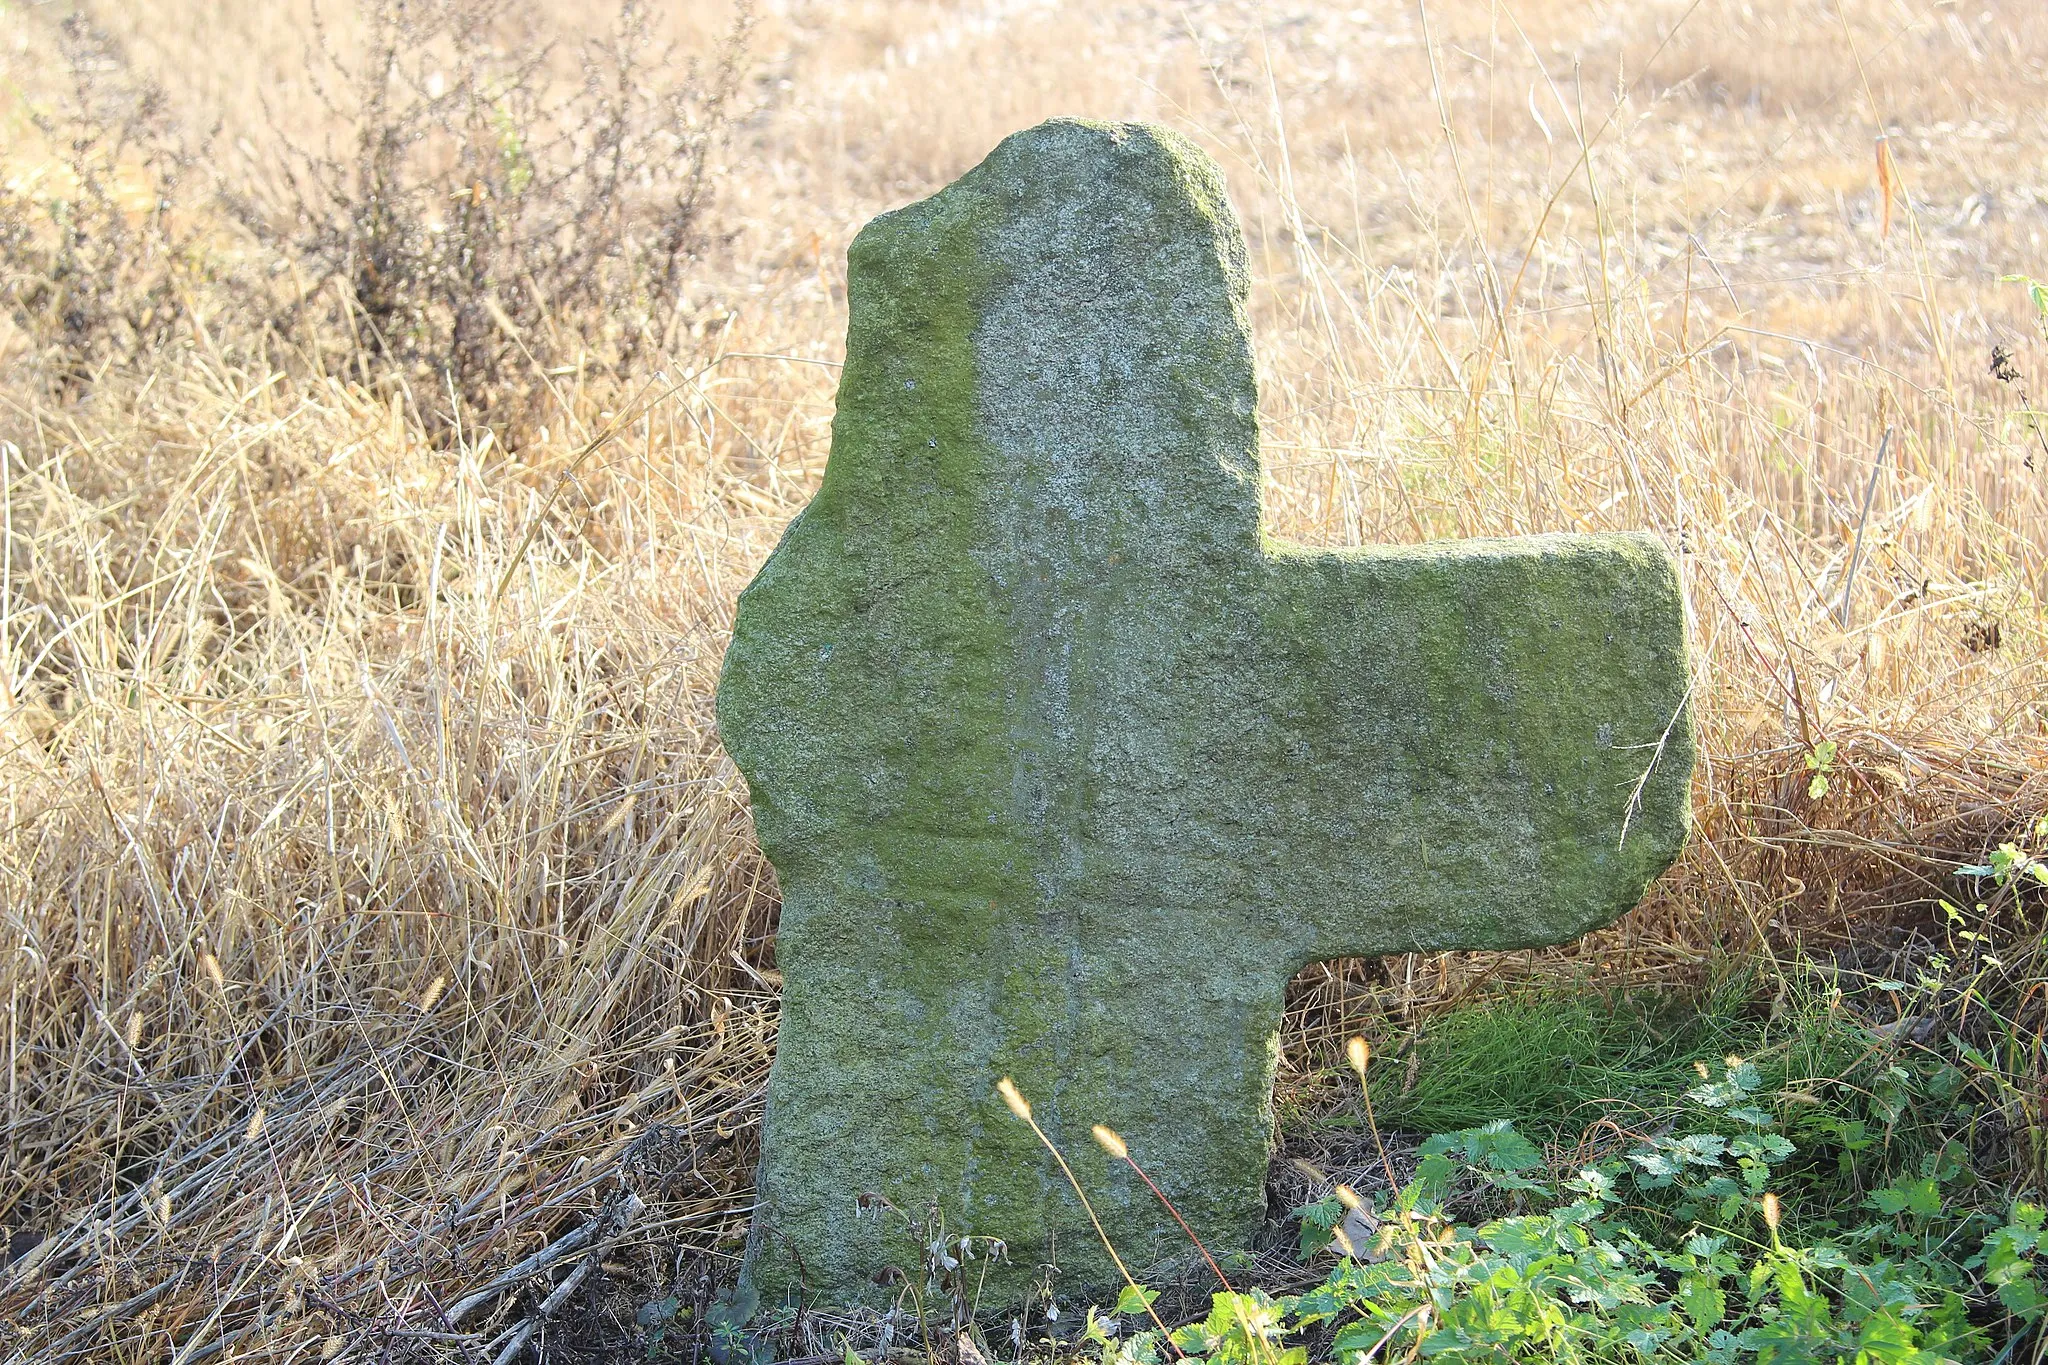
(376, 904)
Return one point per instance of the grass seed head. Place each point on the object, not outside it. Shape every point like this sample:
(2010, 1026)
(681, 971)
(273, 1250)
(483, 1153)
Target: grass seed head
(1108, 1140)
(618, 816)
(1019, 1106)
(432, 994)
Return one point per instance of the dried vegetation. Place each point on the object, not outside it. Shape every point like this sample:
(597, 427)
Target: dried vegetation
(376, 907)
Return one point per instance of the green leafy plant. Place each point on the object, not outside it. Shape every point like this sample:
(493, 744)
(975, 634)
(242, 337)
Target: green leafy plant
(1676, 1243)
(1820, 761)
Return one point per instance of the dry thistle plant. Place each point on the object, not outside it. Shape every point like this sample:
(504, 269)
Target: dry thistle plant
(478, 228)
(93, 266)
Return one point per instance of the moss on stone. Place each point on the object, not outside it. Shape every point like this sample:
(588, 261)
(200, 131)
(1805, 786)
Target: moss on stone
(1066, 771)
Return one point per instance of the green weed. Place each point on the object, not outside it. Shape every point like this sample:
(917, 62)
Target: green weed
(1820, 1171)
(1672, 1247)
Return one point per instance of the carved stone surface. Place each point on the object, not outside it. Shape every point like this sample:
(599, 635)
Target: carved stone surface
(1066, 768)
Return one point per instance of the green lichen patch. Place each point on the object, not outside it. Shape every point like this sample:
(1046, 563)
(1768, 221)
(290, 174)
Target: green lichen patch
(1066, 770)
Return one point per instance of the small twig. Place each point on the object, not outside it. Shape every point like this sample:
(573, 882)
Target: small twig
(607, 1224)
(605, 1229)
(1869, 496)
(1635, 797)
(552, 1304)
(520, 1336)
(539, 1261)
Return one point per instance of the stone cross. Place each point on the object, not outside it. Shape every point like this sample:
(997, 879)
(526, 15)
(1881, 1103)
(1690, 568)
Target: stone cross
(1067, 767)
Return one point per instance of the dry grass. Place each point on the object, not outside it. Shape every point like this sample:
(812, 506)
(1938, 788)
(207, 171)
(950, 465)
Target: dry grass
(370, 876)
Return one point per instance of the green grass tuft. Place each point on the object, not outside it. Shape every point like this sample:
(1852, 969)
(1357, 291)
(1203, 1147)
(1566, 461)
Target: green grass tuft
(1557, 1058)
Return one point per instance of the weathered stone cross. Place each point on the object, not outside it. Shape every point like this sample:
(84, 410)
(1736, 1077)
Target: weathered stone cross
(1067, 769)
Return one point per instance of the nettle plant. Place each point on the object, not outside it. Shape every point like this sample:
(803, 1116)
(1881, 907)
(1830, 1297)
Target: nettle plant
(1672, 1247)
